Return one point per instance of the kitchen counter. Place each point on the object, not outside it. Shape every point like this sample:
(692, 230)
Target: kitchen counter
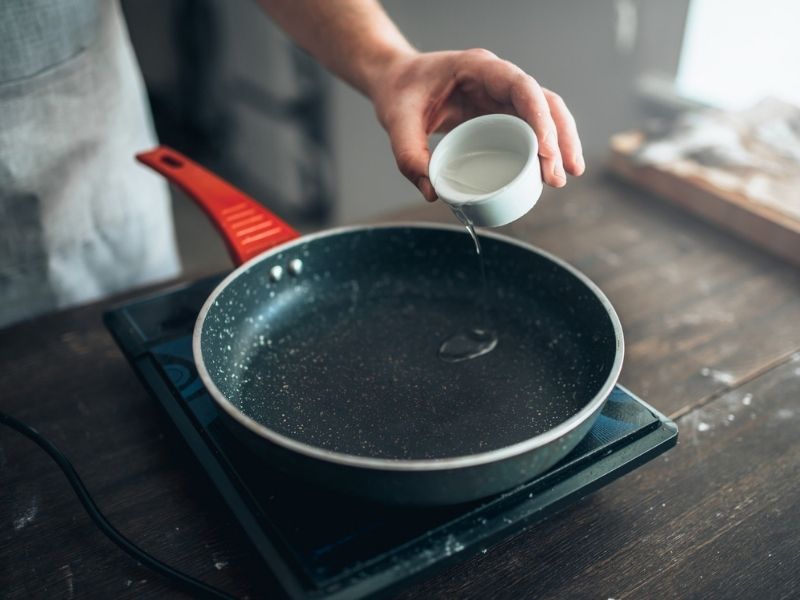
(712, 330)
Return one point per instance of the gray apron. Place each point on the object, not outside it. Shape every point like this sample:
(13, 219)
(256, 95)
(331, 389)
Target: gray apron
(79, 219)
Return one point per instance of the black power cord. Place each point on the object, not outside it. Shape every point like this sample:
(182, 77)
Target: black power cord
(184, 582)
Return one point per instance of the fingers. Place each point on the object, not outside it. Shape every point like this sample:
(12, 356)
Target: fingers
(444, 89)
(568, 140)
(530, 103)
(410, 147)
(508, 84)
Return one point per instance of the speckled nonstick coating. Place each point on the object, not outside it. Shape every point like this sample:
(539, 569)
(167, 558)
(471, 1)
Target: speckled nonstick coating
(333, 373)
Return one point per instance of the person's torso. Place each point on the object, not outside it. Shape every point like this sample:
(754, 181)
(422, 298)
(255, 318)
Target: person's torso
(78, 218)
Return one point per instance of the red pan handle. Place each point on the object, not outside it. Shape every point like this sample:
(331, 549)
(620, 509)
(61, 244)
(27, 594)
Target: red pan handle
(246, 226)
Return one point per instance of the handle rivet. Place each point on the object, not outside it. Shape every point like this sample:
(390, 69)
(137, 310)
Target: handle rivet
(295, 267)
(275, 273)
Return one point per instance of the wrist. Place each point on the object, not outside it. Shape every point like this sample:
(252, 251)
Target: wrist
(380, 63)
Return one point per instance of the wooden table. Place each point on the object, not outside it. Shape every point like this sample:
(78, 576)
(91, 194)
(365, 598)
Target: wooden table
(713, 339)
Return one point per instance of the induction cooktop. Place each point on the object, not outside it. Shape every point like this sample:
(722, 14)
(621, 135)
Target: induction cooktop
(320, 544)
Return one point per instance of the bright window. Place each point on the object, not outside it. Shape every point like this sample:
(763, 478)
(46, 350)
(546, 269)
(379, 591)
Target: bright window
(735, 52)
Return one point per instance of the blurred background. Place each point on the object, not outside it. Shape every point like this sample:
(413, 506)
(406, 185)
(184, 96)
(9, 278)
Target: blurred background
(229, 89)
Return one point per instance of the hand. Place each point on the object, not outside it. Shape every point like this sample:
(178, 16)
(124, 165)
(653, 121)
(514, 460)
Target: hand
(421, 93)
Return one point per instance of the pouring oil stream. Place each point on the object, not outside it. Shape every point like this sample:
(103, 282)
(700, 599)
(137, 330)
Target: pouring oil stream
(478, 340)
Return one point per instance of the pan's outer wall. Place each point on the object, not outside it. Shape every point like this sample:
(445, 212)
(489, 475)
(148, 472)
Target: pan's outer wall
(419, 487)
(418, 482)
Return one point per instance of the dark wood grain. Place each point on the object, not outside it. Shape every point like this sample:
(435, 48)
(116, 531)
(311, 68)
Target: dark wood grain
(707, 320)
(65, 376)
(762, 223)
(717, 517)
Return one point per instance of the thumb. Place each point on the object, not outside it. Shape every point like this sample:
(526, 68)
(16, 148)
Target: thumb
(410, 147)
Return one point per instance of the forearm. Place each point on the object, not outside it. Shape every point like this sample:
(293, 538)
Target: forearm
(415, 94)
(354, 39)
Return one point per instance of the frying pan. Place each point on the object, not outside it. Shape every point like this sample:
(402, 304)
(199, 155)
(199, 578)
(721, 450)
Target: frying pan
(322, 351)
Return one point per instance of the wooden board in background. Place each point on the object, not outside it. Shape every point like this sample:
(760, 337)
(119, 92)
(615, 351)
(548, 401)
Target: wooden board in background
(763, 225)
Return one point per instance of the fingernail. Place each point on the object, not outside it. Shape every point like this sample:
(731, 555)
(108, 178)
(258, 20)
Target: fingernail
(580, 162)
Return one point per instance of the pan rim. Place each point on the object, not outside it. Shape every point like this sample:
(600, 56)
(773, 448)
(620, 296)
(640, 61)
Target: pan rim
(392, 464)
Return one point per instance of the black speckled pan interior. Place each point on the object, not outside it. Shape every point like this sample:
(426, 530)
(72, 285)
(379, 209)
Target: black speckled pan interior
(342, 355)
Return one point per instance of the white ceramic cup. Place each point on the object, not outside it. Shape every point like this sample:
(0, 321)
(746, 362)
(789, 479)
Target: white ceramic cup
(487, 170)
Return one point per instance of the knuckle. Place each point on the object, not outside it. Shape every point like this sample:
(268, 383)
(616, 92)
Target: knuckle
(480, 53)
(521, 79)
(530, 79)
(553, 97)
(523, 86)
(548, 143)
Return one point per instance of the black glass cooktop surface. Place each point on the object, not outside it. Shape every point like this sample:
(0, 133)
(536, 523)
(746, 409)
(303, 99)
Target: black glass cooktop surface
(319, 544)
